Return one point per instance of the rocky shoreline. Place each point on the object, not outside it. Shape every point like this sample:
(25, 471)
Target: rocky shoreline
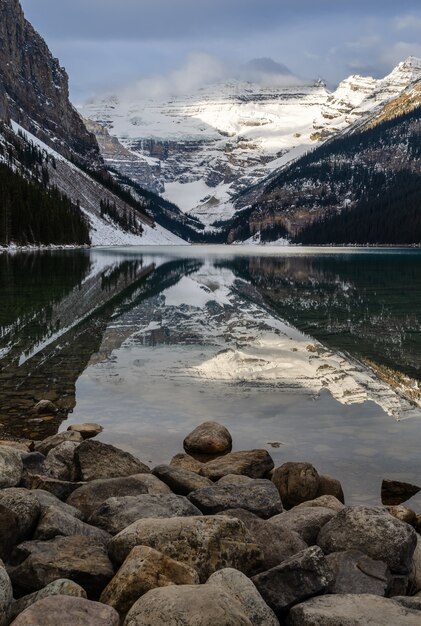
(90, 535)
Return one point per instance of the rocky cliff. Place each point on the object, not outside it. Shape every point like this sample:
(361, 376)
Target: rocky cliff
(34, 89)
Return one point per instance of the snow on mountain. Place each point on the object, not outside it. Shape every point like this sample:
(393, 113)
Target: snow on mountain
(204, 148)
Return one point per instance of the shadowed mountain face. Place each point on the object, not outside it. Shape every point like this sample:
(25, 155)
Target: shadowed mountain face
(56, 310)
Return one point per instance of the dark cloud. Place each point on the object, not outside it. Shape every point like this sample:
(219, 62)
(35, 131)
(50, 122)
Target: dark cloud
(104, 43)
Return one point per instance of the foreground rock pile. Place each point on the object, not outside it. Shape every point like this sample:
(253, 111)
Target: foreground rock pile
(90, 535)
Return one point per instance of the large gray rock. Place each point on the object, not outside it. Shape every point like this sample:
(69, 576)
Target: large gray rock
(55, 521)
(34, 463)
(245, 592)
(205, 543)
(355, 572)
(258, 496)
(296, 483)
(185, 461)
(60, 462)
(275, 546)
(60, 587)
(26, 507)
(234, 479)
(11, 467)
(252, 463)
(91, 495)
(6, 595)
(81, 559)
(306, 521)
(208, 438)
(302, 576)
(352, 610)
(88, 430)
(67, 611)
(115, 514)
(181, 481)
(96, 460)
(47, 499)
(145, 569)
(59, 488)
(49, 443)
(373, 531)
(187, 605)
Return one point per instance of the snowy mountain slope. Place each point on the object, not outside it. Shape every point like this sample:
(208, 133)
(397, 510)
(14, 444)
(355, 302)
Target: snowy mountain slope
(207, 147)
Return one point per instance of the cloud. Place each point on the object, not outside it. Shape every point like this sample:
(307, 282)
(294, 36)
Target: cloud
(408, 22)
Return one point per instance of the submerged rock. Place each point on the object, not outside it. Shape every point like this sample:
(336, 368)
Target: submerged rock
(208, 438)
(96, 460)
(205, 543)
(145, 569)
(252, 463)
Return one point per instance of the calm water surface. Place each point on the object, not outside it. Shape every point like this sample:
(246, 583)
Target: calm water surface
(126, 337)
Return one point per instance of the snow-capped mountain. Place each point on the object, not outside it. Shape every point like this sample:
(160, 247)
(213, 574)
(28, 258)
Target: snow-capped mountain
(202, 149)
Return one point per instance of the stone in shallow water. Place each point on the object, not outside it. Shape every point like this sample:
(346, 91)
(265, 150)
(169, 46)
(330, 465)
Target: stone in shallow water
(145, 569)
(296, 483)
(45, 407)
(88, 430)
(208, 438)
(395, 492)
(180, 481)
(375, 532)
(303, 575)
(96, 460)
(258, 496)
(67, 611)
(205, 543)
(115, 514)
(252, 463)
(82, 559)
(352, 610)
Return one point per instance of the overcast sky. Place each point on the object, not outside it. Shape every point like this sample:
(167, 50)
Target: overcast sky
(108, 43)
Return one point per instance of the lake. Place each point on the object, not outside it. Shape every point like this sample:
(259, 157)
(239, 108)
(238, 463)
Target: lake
(313, 354)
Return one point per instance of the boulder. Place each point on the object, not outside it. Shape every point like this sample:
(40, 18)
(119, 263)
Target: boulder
(352, 610)
(60, 462)
(296, 483)
(245, 592)
(23, 445)
(9, 531)
(329, 486)
(45, 407)
(373, 531)
(180, 481)
(47, 499)
(395, 492)
(252, 463)
(49, 443)
(354, 572)
(205, 543)
(145, 569)
(275, 546)
(55, 521)
(258, 496)
(403, 514)
(96, 460)
(60, 587)
(234, 479)
(302, 576)
(67, 611)
(91, 495)
(6, 595)
(11, 467)
(61, 489)
(115, 514)
(306, 521)
(153, 484)
(187, 605)
(81, 559)
(87, 430)
(327, 502)
(26, 507)
(208, 438)
(187, 462)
